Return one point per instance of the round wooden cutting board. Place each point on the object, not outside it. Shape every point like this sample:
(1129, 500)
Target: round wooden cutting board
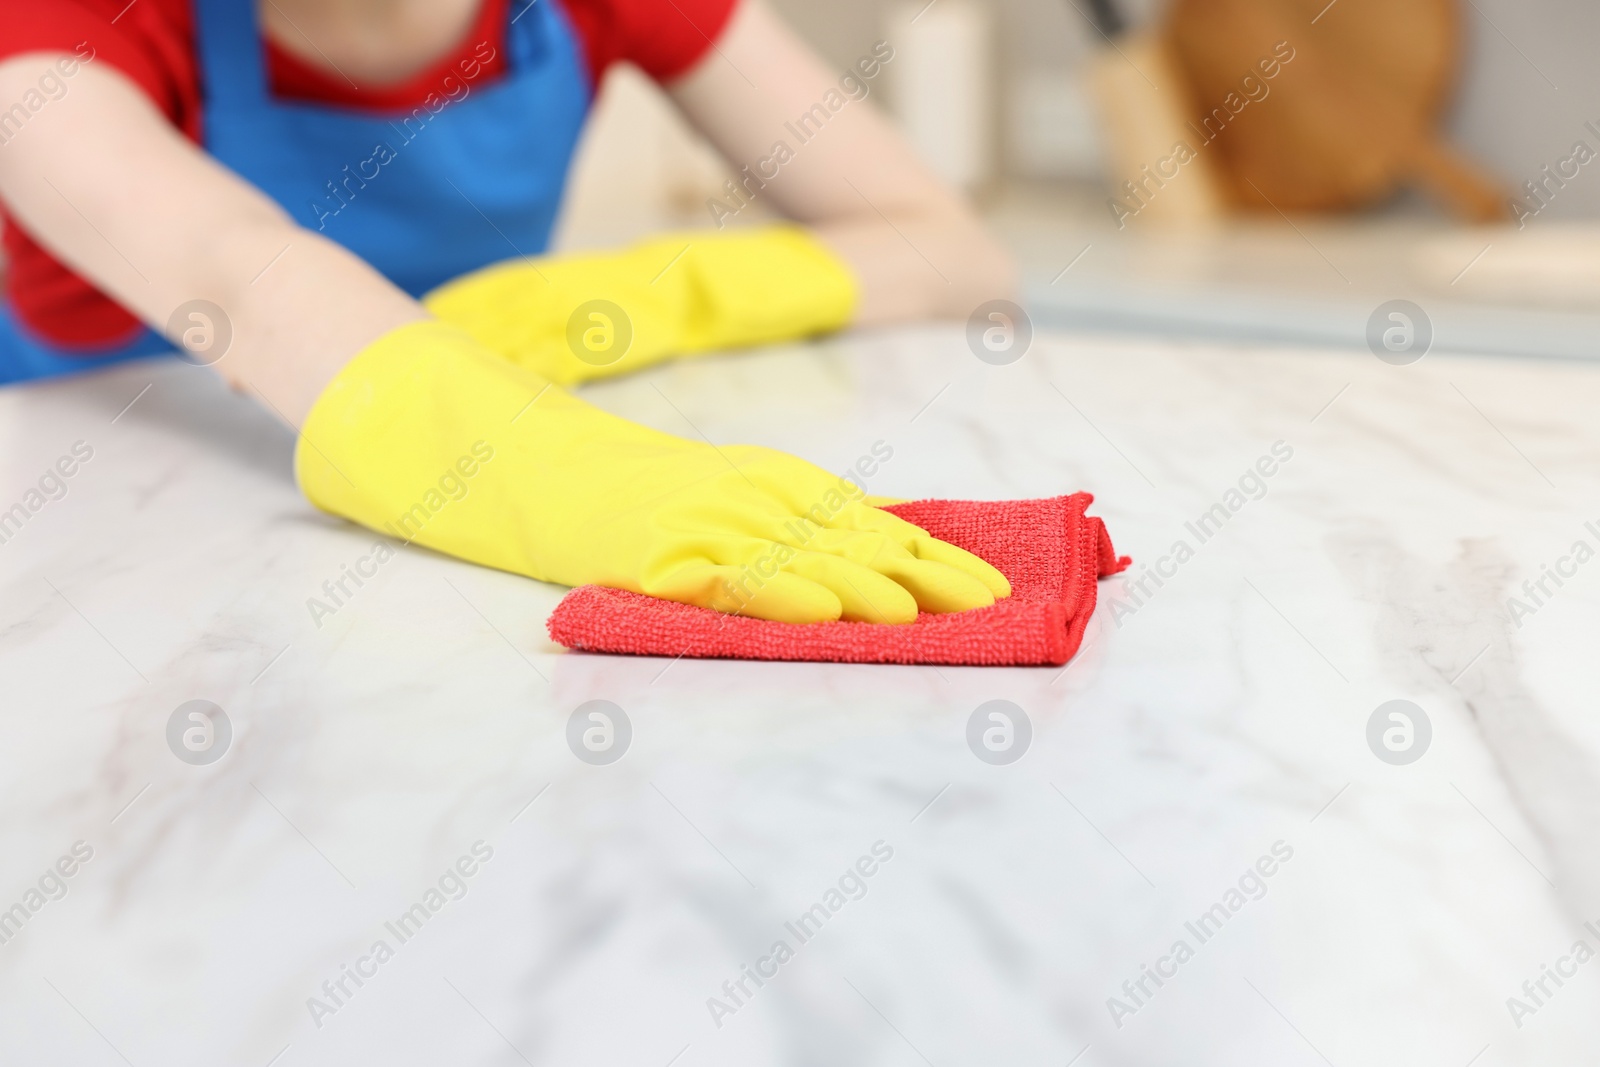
(1348, 119)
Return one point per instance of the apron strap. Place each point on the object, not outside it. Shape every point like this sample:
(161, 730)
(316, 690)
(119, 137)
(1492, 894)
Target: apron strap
(233, 67)
(527, 33)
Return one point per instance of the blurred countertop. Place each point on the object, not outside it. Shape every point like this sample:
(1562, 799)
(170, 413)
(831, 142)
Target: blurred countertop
(1488, 290)
(1209, 720)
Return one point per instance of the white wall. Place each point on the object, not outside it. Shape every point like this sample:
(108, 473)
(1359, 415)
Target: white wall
(1507, 114)
(1513, 119)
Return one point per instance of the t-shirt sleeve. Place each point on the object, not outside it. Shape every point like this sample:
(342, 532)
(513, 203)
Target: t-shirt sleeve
(147, 41)
(663, 38)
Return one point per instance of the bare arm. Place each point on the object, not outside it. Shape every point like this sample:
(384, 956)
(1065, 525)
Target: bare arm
(105, 182)
(916, 248)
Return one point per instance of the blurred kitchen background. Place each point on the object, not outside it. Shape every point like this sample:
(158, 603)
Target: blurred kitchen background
(1429, 116)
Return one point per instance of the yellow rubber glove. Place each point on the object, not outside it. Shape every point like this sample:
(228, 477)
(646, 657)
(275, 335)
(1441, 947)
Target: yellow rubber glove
(430, 437)
(573, 318)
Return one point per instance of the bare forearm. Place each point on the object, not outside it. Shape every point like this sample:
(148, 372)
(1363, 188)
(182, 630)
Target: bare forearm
(301, 318)
(173, 226)
(918, 268)
(916, 248)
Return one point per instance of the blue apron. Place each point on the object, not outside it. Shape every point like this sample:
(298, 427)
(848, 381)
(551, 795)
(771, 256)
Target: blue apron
(471, 177)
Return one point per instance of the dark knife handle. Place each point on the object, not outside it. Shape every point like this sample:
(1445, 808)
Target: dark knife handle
(1107, 19)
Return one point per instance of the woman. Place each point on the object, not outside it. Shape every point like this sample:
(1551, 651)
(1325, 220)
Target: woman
(331, 184)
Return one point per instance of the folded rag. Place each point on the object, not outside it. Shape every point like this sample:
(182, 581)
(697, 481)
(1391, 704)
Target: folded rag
(1051, 552)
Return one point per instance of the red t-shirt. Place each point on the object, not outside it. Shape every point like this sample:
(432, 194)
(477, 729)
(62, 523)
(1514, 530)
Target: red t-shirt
(152, 42)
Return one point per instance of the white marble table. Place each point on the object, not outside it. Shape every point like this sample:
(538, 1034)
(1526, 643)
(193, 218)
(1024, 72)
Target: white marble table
(1226, 713)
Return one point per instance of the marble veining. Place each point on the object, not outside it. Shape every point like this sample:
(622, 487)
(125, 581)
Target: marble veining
(1208, 720)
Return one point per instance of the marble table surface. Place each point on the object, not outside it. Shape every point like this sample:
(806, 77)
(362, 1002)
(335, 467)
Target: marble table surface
(407, 754)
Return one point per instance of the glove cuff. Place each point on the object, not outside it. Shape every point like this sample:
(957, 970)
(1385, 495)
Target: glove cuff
(673, 295)
(403, 427)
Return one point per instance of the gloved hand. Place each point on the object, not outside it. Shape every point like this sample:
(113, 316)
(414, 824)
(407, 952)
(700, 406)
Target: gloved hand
(573, 318)
(430, 437)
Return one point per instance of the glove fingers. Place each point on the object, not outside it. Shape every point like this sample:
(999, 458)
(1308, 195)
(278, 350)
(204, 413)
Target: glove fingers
(863, 547)
(867, 595)
(860, 516)
(937, 587)
(936, 551)
(948, 580)
(919, 543)
(736, 590)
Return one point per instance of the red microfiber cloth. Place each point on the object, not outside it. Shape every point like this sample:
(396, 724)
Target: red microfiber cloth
(1050, 551)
